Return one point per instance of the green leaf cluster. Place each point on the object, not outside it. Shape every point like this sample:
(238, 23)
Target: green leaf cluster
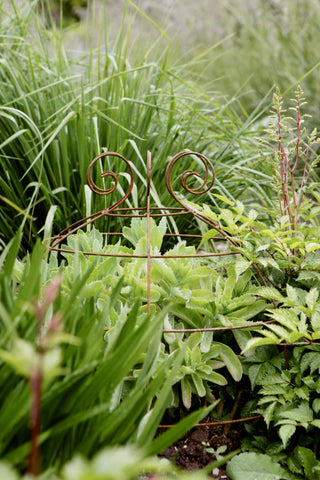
(88, 399)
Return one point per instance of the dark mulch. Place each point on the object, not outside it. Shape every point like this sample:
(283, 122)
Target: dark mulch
(197, 448)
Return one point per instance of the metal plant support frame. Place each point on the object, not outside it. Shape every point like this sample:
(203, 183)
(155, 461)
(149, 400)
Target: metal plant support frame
(155, 212)
(148, 212)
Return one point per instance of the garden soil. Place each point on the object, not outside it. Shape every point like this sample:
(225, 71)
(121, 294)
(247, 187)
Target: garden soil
(196, 449)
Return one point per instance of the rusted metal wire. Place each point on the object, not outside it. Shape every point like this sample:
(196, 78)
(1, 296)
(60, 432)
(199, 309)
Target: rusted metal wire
(149, 211)
(222, 422)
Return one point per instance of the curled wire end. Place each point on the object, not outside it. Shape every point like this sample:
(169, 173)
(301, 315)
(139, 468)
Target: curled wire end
(184, 178)
(108, 173)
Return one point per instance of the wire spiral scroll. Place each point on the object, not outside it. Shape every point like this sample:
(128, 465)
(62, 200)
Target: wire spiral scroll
(184, 177)
(108, 173)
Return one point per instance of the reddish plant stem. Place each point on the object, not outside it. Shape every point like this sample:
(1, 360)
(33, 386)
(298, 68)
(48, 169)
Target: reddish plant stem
(284, 166)
(305, 175)
(298, 138)
(292, 170)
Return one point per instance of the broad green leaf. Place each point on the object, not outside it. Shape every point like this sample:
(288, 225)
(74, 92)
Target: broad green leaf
(215, 377)
(194, 340)
(232, 362)
(256, 466)
(186, 391)
(228, 289)
(198, 383)
(206, 341)
(195, 357)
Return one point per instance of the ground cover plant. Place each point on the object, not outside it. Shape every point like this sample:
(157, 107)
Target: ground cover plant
(84, 365)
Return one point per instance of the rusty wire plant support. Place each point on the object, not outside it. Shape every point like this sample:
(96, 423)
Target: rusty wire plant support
(148, 212)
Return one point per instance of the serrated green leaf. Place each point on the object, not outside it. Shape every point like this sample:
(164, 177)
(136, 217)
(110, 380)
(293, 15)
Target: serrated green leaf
(241, 265)
(286, 317)
(269, 293)
(310, 360)
(292, 294)
(285, 433)
(315, 321)
(309, 462)
(312, 246)
(282, 333)
(245, 313)
(312, 297)
(302, 413)
(316, 405)
(210, 233)
(268, 412)
(257, 342)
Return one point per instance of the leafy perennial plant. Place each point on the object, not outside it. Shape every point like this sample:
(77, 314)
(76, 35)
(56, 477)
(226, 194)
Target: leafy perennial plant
(118, 372)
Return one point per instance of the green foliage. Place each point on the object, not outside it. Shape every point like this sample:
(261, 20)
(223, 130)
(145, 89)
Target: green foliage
(75, 343)
(267, 43)
(292, 150)
(254, 466)
(183, 287)
(288, 398)
(126, 463)
(59, 111)
(88, 396)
